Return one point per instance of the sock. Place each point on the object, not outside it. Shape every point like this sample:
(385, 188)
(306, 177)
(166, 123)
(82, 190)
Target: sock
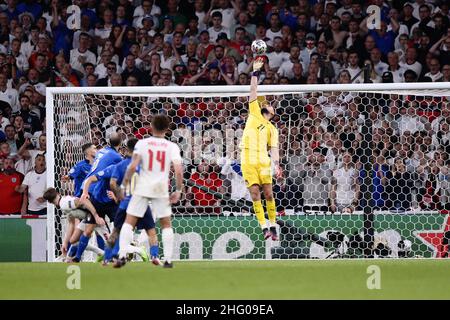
(108, 253)
(95, 249)
(100, 242)
(72, 250)
(82, 244)
(115, 250)
(126, 236)
(167, 240)
(154, 251)
(271, 211)
(259, 212)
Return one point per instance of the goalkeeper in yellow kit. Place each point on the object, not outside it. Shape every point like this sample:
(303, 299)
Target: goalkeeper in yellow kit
(260, 136)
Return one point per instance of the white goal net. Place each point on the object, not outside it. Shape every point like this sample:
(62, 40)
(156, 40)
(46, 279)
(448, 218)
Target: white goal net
(365, 167)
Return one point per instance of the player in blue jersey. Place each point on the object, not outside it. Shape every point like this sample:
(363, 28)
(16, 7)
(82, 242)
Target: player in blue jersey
(103, 159)
(102, 202)
(146, 222)
(81, 169)
(78, 173)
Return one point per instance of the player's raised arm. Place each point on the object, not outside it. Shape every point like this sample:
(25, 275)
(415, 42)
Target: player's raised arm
(87, 184)
(257, 65)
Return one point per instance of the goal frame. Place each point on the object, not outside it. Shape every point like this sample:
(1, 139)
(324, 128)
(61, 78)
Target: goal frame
(205, 91)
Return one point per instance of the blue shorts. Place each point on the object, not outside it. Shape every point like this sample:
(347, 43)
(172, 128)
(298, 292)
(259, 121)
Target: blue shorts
(145, 223)
(105, 209)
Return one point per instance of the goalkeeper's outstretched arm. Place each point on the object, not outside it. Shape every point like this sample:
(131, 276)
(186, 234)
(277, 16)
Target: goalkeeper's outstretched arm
(257, 65)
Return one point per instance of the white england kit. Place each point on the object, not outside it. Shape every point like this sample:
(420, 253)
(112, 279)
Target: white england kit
(69, 209)
(152, 183)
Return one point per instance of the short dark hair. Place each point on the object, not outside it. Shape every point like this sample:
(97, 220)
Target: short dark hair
(216, 14)
(160, 122)
(50, 194)
(191, 59)
(86, 146)
(240, 28)
(84, 34)
(131, 143)
(87, 64)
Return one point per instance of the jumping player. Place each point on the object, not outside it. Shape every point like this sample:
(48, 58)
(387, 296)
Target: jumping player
(259, 135)
(154, 155)
(82, 168)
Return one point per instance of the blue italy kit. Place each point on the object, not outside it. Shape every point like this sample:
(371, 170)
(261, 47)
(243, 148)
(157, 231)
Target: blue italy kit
(103, 159)
(78, 173)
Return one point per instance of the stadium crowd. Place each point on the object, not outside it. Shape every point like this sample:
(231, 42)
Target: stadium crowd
(187, 42)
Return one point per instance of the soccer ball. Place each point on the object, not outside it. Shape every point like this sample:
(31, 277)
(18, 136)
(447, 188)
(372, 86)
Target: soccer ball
(259, 47)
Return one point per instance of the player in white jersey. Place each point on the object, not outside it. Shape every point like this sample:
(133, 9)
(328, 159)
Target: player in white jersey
(75, 212)
(154, 155)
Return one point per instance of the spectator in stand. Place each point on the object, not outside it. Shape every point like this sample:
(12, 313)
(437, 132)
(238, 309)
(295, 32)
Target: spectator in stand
(229, 14)
(10, 179)
(28, 153)
(317, 179)
(4, 121)
(206, 177)
(399, 188)
(111, 68)
(394, 68)
(435, 74)
(7, 94)
(33, 186)
(309, 49)
(13, 139)
(132, 70)
(229, 51)
(277, 56)
(31, 120)
(378, 178)
(243, 24)
(274, 30)
(345, 187)
(410, 61)
(217, 27)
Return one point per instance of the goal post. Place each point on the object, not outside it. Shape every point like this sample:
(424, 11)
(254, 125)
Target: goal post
(319, 125)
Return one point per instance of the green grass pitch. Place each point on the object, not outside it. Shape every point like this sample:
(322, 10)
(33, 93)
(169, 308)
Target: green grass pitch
(313, 279)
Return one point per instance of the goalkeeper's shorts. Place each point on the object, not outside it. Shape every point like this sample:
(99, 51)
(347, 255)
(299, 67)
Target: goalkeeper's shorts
(256, 173)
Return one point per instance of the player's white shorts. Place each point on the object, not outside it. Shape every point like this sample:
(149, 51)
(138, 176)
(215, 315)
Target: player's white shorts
(160, 207)
(101, 230)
